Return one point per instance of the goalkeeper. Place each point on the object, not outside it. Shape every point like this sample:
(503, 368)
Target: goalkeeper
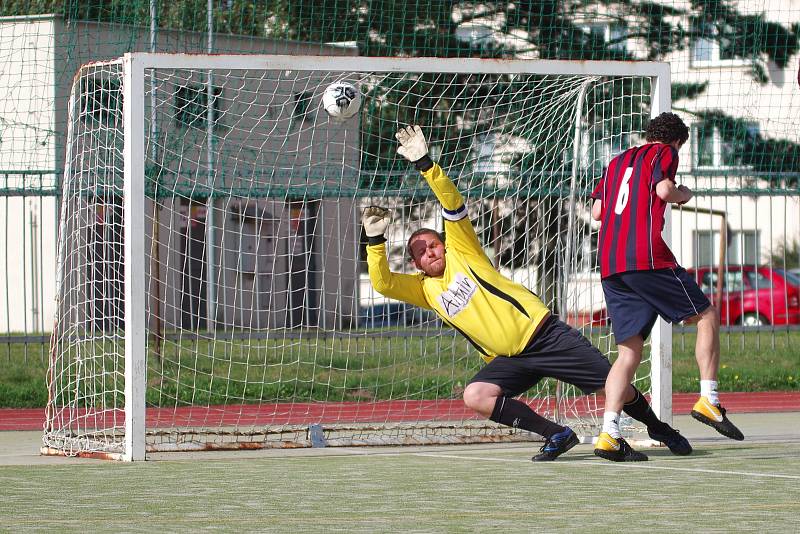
(511, 328)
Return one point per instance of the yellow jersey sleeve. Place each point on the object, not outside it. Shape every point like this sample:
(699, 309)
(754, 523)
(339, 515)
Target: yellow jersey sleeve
(399, 286)
(457, 226)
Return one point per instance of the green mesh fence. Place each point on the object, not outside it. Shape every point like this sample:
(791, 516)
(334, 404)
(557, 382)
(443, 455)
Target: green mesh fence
(734, 80)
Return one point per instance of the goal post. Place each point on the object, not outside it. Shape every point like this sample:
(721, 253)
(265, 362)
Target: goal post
(211, 288)
(661, 336)
(133, 110)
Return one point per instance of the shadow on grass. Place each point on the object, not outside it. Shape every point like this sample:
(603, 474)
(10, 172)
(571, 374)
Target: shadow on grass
(664, 453)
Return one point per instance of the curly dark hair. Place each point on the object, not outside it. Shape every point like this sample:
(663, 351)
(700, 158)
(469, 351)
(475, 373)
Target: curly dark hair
(420, 232)
(666, 128)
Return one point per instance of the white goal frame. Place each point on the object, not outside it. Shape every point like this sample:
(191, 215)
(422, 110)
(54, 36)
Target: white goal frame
(135, 66)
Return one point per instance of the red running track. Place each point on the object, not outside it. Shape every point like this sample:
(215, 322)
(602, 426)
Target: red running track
(392, 411)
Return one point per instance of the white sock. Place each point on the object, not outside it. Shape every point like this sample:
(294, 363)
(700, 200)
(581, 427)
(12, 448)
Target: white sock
(708, 389)
(611, 424)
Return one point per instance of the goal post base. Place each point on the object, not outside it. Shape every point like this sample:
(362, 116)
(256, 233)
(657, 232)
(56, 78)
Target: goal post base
(338, 435)
(95, 455)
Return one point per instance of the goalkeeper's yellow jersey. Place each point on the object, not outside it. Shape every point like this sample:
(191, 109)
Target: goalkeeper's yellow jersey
(498, 316)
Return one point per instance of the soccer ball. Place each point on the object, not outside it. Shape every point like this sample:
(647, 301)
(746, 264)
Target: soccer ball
(341, 100)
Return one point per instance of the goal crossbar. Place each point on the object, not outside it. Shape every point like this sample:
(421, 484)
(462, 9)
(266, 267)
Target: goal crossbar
(154, 60)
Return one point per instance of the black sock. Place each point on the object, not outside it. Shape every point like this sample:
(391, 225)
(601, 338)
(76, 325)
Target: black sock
(640, 410)
(514, 413)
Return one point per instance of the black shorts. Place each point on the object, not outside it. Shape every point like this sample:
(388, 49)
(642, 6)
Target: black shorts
(557, 351)
(636, 298)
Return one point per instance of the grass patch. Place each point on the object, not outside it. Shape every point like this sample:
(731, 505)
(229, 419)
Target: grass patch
(749, 362)
(348, 369)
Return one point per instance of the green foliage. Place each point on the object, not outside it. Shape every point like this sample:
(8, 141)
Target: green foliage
(22, 385)
(748, 362)
(556, 30)
(786, 255)
(32, 7)
(687, 91)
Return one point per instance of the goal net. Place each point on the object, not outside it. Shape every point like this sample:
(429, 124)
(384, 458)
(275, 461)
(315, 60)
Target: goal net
(212, 288)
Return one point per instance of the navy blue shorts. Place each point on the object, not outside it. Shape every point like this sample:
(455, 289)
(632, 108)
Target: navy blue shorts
(557, 351)
(635, 299)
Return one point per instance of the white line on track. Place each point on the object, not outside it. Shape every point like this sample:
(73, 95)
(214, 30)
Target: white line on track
(631, 465)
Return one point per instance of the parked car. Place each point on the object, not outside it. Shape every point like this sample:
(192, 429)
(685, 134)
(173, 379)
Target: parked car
(396, 314)
(752, 295)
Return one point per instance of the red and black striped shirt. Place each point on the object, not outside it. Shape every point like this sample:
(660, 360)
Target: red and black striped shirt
(633, 214)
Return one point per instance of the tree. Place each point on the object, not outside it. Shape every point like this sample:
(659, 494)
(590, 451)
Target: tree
(551, 29)
(787, 254)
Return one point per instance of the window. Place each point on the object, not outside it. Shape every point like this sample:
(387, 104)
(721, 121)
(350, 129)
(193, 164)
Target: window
(703, 245)
(607, 33)
(731, 281)
(758, 280)
(476, 34)
(792, 276)
(743, 247)
(191, 105)
(101, 99)
(708, 282)
(719, 148)
(710, 50)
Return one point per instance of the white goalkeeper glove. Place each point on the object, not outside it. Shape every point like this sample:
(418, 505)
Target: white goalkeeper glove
(413, 147)
(375, 220)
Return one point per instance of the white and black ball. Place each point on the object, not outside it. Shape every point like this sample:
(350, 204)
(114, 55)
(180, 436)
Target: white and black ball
(341, 100)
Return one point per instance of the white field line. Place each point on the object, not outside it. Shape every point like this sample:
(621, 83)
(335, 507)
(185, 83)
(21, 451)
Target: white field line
(631, 465)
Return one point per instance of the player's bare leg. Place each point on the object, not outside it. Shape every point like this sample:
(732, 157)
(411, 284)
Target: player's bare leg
(482, 397)
(622, 373)
(707, 345)
(707, 409)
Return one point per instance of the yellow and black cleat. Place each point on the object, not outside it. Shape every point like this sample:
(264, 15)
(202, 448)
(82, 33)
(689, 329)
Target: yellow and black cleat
(671, 438)
(616, 449)
(714, 416)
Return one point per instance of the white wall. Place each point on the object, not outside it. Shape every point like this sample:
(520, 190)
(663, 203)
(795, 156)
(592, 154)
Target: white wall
(28, 142)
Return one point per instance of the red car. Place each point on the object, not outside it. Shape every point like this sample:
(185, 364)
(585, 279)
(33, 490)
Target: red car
(752, 295)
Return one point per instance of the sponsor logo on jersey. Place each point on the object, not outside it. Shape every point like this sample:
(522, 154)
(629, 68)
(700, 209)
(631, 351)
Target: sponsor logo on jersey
(457, 296)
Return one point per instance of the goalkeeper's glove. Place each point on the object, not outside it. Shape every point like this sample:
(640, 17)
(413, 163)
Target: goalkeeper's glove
(413, 147)
(375, 220)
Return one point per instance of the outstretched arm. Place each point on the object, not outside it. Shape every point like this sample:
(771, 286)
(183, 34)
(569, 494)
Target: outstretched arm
(399, 286)
(459, 232)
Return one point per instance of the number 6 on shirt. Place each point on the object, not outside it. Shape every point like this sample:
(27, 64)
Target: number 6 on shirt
(624, 191)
